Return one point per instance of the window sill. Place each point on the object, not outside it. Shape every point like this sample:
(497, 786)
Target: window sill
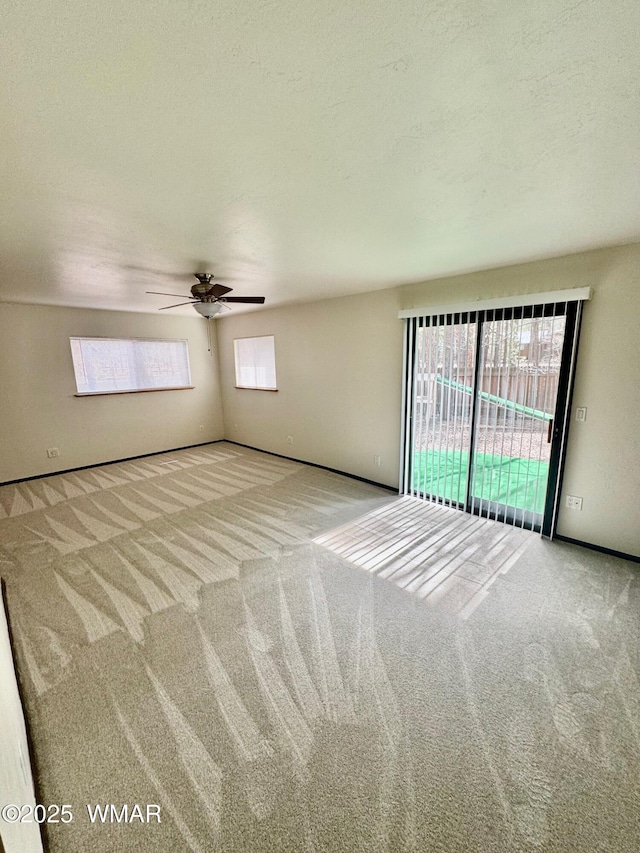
(132, 391)
(251, 388)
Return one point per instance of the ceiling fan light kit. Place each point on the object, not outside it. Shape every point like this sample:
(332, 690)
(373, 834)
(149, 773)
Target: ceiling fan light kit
(207, 309)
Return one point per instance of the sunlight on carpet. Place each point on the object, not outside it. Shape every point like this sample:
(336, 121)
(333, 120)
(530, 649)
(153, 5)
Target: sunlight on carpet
(436, 553)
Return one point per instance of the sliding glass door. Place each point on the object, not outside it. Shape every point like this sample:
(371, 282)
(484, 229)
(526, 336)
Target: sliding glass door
(484, 408)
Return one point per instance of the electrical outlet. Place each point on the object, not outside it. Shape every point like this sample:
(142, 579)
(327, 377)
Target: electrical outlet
(573, 502)
(289, 439)
(581, 414)
(376, 461)
(53, 452)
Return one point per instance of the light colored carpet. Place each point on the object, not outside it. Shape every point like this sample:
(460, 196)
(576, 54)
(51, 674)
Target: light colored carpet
(289, 660)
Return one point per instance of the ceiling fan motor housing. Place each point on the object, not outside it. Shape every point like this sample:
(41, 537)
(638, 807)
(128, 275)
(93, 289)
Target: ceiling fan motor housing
(200, 290)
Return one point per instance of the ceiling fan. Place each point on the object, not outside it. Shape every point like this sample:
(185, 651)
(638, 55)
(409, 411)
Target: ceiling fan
(208, 298)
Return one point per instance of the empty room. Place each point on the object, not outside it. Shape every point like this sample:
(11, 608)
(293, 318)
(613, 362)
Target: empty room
(319, 395)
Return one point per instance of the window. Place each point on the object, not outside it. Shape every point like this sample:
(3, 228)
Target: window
(120, 365)
(255, 363)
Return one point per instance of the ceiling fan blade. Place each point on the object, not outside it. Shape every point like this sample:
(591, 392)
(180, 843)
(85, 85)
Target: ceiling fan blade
(190, 302)
(256, 300)
(218, 290)
(157, 293)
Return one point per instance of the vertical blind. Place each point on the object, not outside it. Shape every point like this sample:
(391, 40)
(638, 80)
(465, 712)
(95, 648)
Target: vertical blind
(484, 394)
(440, 356)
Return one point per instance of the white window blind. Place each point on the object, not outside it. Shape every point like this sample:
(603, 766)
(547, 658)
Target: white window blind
(117, 365)
(255, 362)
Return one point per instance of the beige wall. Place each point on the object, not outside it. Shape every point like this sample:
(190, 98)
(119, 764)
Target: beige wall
(37, 386)
(603, 461)
(339, 372)
(339, 364)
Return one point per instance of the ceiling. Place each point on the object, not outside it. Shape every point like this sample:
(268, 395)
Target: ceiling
(301, 150)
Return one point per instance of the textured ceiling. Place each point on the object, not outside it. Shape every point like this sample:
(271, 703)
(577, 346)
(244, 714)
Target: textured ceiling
(301, 150)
